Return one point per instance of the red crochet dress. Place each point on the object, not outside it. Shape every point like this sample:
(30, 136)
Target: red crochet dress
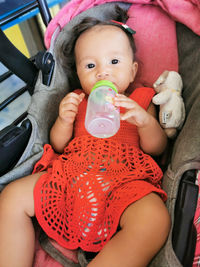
(80, 199)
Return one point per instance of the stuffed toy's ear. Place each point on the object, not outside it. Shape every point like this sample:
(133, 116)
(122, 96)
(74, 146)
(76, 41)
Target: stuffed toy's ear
(161, 79)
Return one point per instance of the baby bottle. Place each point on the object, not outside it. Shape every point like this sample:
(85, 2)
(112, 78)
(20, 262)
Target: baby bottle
(102, 117)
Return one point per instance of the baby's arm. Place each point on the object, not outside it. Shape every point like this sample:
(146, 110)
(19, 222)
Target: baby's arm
(62, 130)
(153, 139)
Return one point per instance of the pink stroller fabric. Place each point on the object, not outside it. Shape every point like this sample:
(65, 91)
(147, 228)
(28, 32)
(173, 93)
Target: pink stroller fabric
(185, 11)
(155, 41)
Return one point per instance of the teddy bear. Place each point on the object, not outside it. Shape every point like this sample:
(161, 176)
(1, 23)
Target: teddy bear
(172, 110)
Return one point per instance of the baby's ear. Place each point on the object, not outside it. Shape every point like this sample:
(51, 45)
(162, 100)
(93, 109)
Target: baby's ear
(134, 70)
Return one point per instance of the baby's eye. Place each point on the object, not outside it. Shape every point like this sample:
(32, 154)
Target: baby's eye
(114, 61)
(90, 65)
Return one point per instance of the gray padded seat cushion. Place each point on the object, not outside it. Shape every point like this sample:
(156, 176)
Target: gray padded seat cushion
(186, 149)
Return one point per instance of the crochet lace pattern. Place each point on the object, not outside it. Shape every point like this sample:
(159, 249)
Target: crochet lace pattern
(79, 200)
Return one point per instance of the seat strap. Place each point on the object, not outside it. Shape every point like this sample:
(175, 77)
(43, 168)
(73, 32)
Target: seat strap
(15, 61)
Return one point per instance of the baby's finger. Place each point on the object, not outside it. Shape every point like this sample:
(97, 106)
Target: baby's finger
(73, 98)
(120, 97)
(69, 107)
(81, 96)
(77, 97)
(128, 114)
(67, 114)
(126, 104)
(123, 101)
(69, 101)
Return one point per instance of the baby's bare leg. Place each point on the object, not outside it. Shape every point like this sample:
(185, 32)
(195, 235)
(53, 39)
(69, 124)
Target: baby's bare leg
(145, 226)
(17, 237)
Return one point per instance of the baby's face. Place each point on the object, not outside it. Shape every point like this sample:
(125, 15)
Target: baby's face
(104, 53)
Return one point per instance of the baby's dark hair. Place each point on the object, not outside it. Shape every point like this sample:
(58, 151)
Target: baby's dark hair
(67, 53)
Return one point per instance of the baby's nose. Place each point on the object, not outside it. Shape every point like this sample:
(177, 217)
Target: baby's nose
(102, 73)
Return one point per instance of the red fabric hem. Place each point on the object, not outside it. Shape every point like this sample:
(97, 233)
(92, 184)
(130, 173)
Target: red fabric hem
(115, 225)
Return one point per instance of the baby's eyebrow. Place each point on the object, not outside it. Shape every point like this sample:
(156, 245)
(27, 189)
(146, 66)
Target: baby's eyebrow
(89, 59)
(117, 54)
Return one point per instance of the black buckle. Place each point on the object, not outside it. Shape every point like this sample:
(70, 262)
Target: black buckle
(45, 62)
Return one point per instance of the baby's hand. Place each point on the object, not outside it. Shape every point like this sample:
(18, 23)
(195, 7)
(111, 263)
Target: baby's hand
(134, 114)
(69, 107)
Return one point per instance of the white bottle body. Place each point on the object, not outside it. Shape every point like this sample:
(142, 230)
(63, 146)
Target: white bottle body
(102, 117)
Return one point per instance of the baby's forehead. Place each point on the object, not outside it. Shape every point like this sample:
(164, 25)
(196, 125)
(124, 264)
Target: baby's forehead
(104, 38)
(103, 31)
(101, 28)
